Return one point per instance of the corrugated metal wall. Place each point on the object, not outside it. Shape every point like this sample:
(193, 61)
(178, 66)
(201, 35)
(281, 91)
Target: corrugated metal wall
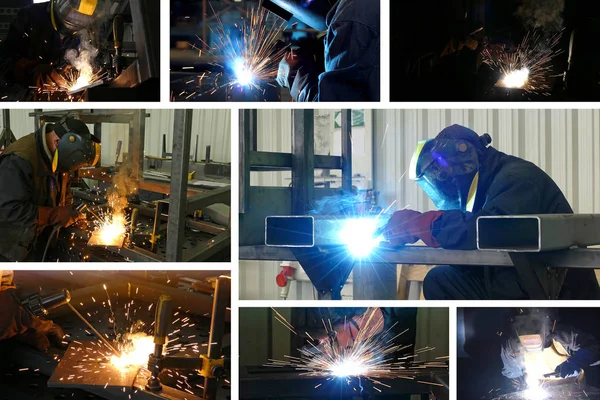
(212, 127)
(564, 143)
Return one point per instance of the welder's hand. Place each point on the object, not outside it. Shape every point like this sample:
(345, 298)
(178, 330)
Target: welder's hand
(408, 226)
(568, 369)
(63, 216)
(582, 358)
(288, 68)
(16, 321)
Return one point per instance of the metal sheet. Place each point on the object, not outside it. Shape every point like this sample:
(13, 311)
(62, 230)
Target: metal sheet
(77, 370)
(96, 241)
(536, 233)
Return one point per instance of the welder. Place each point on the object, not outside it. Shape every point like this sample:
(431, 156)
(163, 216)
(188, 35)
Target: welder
(38, 39)
(541, 347)
(467, 178)
(35, 193)
(350, 68)
(20, 323)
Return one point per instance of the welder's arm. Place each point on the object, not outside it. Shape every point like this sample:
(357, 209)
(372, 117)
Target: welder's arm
(513, 195)
(16, 321)
(16, 192)
(351, 54)
(587, 353)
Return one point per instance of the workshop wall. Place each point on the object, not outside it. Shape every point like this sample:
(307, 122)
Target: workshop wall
(564, 143)
(210, 127)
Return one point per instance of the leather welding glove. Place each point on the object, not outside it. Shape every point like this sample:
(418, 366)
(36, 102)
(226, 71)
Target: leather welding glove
(288, 67)
(20, 323)
(64, 216)
(583, 358)
(299, 71)
(408, 226)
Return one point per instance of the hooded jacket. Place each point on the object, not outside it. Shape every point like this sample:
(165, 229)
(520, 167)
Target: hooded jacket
(507, 185)
(26, 184)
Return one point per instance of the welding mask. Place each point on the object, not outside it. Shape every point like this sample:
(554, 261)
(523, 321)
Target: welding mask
(311, 12)
(71, 16)
(533, 331)
(77, 147)
(447, 170)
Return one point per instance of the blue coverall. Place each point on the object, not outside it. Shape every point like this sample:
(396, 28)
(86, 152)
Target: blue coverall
(507, 186)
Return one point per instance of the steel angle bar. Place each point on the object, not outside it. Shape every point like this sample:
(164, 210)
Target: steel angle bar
(537, 233)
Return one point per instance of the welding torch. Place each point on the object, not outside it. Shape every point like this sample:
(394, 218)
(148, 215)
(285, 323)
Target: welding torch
(41, 306)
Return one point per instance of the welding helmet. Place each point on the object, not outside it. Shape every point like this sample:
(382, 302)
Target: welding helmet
(71, 16)
(447, 167)
(77, 147)
(311, 12)
(533, 329)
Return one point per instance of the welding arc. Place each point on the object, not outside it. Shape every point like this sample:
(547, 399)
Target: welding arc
(85, 321)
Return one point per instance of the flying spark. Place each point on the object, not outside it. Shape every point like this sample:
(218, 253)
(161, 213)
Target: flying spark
(529, 66)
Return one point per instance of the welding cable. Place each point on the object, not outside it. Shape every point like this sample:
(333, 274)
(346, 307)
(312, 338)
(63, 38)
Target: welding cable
(54, 230)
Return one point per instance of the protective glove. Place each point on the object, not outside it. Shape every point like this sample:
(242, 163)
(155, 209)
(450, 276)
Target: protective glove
(408, 226)
(63, 216)
(581, 359)
(288, 67)
(18, 322)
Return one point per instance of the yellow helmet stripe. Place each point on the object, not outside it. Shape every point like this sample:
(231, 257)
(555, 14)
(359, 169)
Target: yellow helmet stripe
(55, 161)
(97, 156)
(472, 193)
(412, 171)
(88, 7)
(52, 17)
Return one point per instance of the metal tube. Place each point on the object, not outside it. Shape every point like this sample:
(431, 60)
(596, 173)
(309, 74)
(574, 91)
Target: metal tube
(347, 151)
(98, 334)
(537, 233)
(222, 299)
(182, 136)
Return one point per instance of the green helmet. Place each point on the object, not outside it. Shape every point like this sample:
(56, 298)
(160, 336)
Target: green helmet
(77, 147)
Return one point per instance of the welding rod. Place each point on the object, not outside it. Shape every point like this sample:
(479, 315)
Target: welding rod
(106, 342)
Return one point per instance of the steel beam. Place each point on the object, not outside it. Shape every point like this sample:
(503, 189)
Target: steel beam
(246, 118)
(303, 169)
(573, 258)
(347, 151)
(272, 161)
(205, 199)
(182, 137)
(137, 128)
(537, 233)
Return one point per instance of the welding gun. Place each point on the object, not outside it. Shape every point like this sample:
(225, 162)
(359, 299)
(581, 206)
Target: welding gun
(41, 306)
(118, 29)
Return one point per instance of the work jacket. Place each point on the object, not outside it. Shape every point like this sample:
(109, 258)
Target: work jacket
(26, 184)
(352, 56)
(509, 186)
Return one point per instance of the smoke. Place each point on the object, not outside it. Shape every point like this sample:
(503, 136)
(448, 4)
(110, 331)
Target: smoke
(123, 186)
(542, 14)
(83, 59)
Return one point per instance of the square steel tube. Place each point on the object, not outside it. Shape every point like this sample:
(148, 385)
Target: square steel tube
(302, 231)
(537, 233)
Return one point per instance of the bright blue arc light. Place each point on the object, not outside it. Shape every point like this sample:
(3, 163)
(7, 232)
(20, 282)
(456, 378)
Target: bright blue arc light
(243, 75)
(358, 236)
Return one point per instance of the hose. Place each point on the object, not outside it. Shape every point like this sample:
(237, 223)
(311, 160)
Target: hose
(54, 230)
